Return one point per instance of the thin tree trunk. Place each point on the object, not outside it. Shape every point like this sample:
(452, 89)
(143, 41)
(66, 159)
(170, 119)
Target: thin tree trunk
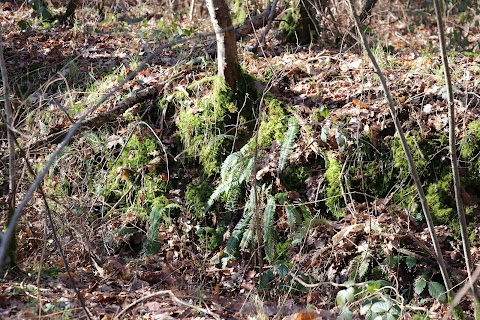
(226, 44)
(12, 187)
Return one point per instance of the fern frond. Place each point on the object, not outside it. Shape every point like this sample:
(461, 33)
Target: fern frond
(247, 238)
(236, 169)
(307, 215)
(233, 241)
(222, 188)
(218, 138)
(229, 162)
(268, 230)
(292, 216)
(247, 171)
(308, 222)
(233, 196)
(288, 143)
(151, 245)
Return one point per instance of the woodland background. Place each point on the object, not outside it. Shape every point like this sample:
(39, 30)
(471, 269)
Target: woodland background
(158, 163)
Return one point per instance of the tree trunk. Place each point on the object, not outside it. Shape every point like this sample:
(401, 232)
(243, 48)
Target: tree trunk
(226, 44)
(367, 9)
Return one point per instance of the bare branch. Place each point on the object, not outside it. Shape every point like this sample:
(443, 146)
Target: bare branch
(454, 160)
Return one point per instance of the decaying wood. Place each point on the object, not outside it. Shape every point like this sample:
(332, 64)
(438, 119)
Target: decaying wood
(257, 22)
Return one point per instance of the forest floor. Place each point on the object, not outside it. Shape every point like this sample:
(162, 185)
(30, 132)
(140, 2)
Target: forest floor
(185, 278)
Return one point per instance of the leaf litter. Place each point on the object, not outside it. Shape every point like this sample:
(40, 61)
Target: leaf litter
(308, 79)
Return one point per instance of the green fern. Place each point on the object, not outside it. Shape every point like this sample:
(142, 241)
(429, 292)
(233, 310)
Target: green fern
(236, 170)
(151, 245)
(292, 216)
(309, 221)
(268, 230)
(238, 231)
(247, 238)
(222, 188)
(229, 162)
(288, 143)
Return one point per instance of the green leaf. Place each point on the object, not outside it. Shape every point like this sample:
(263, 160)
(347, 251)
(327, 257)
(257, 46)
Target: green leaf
(345, 295)
(389, 316)
(363, 268)
(265, 278)
(366, 307)
(382, 306)
(374, 286)
(437, 290)
(394, 261)
(281, 197)
(345, 314)
(323, 135)
(341, 141)
(44, 13)
(410, 262)
(23, 25)
(324, 112)
(420, 284)
(281, 268)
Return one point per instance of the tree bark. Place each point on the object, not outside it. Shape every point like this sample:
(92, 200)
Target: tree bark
(226, 43)
(367, 9)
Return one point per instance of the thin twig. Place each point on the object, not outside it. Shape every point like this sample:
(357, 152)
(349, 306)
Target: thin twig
(174, 298)
(460, 294)
(454, 160)
(408, 153)
(268, 26)
(55, 237)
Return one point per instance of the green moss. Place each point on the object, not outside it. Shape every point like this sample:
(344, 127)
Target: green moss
(239, 12)
(196, 197)
(293, 178)
(297, 26)
(133, 178)
(274, 122)
(430, 156)
(470, 154)
(440, 200)
(204, 126)
(400, 159)
(333, 189)
(201, 126)
(372, 170)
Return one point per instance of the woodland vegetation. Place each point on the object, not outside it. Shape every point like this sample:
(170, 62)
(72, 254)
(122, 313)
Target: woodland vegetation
(300, 159)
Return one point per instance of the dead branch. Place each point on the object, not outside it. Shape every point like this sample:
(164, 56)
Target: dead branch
(174, 298)
(100, 118)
